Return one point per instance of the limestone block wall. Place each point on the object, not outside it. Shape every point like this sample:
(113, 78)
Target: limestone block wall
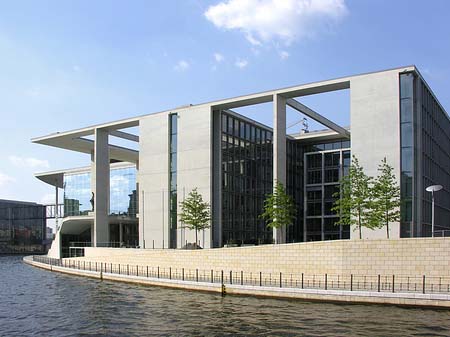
(408, 257)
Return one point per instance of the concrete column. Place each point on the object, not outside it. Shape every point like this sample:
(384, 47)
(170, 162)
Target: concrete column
(100, 183)
(279, 152)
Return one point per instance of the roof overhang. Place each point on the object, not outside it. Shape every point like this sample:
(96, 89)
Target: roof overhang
(74, 140)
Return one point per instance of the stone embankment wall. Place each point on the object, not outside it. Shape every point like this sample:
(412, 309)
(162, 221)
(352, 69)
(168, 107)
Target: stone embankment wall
(409, 257)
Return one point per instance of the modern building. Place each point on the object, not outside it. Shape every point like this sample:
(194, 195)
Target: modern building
(234, 161)
(22, 227)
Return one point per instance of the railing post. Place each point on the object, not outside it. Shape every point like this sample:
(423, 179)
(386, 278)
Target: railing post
(119, 268)
(95, 265)
(351, 282)
(212, 276)
(393, 283)
(423, 284)
(221, 277)
(302, 281)
(196, 275)
(379, 279)
(280, 280)
(147, 271)
(158, 271)
(137, 270)
(170, 273)
(231, 277)
(128, 269)
(111, 268)
(182, 274)
(242, 278)
(260, 279)
(326, 282)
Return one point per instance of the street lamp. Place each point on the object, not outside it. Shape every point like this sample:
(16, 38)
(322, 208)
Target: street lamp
(432, 189)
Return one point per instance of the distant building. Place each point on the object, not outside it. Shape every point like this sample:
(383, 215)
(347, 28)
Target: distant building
(22, 227)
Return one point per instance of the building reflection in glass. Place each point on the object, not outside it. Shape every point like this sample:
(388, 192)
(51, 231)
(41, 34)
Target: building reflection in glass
(123, 196)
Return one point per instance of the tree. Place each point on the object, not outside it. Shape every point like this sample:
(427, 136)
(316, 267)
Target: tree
(279, 208)
(385, 206)
(353, 202)
(195, 213)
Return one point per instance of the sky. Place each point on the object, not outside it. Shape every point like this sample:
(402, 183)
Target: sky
(70, 64)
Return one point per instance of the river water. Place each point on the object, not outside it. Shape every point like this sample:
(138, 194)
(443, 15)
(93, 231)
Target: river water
(35, 302)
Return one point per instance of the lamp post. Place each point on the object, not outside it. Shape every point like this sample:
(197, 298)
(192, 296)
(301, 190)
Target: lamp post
(432, 189)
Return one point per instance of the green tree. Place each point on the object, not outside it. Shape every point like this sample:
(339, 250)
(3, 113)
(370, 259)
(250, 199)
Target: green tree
(385, 206)
(353, 202)
(279, 208)
(195, 213)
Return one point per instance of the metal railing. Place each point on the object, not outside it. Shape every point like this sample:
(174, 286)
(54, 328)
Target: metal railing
(373, 283)
(442, 233)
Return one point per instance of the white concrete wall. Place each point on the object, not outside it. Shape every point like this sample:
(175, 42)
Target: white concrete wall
(375, 129)
(193, 171)
(153, 178)
(194, 163)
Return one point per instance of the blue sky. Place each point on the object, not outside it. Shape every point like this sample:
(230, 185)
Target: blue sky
(69, 64)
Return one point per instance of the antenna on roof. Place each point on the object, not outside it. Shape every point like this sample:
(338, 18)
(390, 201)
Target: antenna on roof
(305, 126)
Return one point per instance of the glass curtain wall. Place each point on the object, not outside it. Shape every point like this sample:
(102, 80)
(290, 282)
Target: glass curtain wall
(123, 196)
(22, 228)
(77, 194)
(246, 180)
(435, 161)
(407, 121)
(173, 125)
(323, 170)
(294, 187)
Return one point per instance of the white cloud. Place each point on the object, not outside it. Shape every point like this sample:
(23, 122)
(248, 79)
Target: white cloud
(5, 179)
(219, 57)
(283, 21)
(182, 65)
(284, 54)
(241, 63)
(28, 162)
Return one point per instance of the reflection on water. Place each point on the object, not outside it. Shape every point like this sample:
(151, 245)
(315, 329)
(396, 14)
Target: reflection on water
(38, 302)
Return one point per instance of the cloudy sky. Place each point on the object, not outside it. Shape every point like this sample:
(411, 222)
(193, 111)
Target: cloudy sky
(69, 64)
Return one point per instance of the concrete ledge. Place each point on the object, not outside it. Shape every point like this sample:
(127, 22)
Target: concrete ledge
(403, 299)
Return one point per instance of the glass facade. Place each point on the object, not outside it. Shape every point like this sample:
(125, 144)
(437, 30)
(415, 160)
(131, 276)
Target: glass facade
(294, 187)
(247, 152)
(77, 194)
(173, 125)
(22, 227)
(407, 147)
(123, 192)
(323, 171)
(434, 163)
(246, 180)
(123, 196)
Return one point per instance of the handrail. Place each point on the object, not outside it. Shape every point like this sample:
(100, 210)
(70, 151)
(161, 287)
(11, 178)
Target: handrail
(347, 282)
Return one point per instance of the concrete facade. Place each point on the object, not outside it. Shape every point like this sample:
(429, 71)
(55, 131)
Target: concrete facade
(375, 129)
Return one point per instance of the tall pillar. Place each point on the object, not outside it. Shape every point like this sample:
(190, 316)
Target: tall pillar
(279, 153)
(100, 184)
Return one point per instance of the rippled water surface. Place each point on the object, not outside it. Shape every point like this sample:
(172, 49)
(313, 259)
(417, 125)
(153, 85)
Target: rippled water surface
(41, 303)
